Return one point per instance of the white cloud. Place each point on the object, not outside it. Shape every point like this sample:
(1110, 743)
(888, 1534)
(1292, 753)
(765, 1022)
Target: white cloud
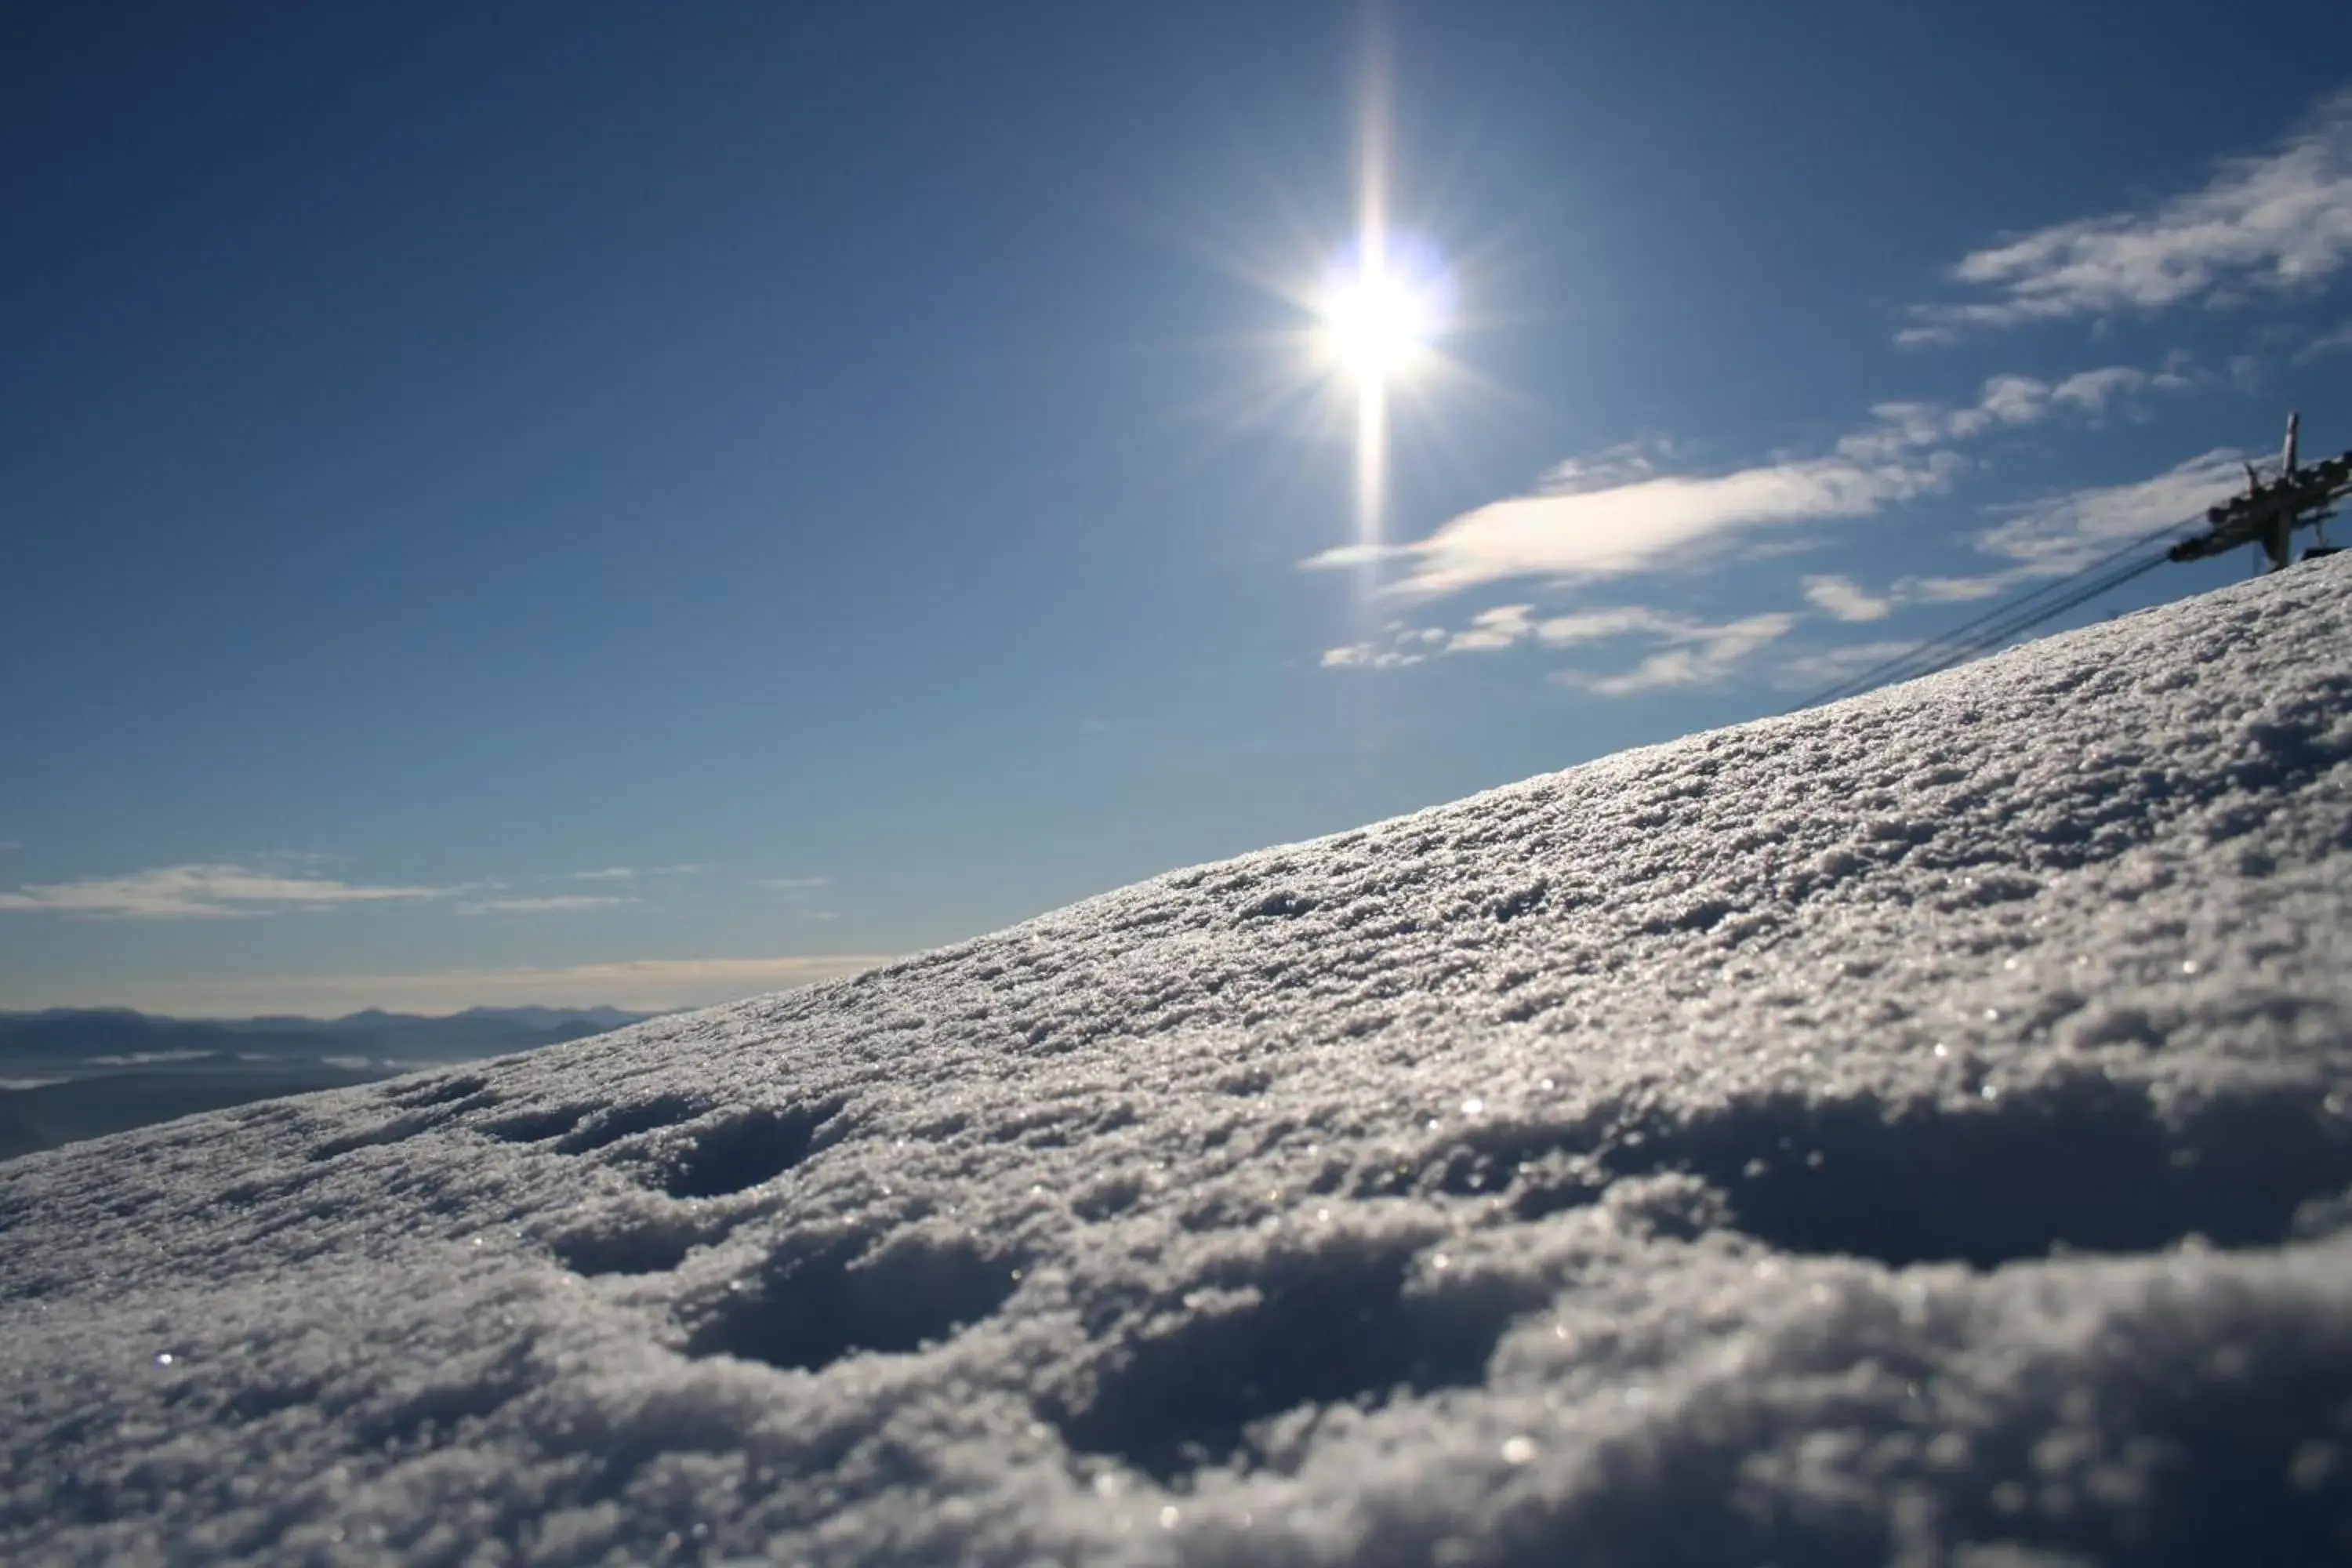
(1634, 526)
(1368, 656)
(2095, 391)
(1497, 628)
(1841, 598)
(2060, 533)
(2006, 401)
(1639, 519)
(2273, 224)
(609, 874)
(1506, 626)
(1599, 626)
(1698, 652)
(1618, 514)
(183, 891)
(1709, 656)
(1950, 590)
(558, 903)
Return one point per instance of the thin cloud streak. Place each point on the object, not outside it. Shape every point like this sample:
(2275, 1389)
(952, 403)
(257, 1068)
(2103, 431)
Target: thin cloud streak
(1843, 599)
(2061, 533)
(2334, 342)
(2057, 534)
(2045, 538)
(1638, 527)
(199, 891)
(1615, 514)
(1709, 656)
(554, 903)
(1698, 653)
(2275, 224)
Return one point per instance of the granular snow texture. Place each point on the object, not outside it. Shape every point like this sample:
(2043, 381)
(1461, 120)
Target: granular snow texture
(1916, 1130)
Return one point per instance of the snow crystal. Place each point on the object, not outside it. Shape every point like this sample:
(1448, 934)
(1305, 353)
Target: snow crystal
(1917, 1130)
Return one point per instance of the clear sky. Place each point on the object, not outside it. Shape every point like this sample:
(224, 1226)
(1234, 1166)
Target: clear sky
(647, 503)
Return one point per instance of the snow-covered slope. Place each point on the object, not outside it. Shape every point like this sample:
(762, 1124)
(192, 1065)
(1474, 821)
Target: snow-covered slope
(1915, 1131)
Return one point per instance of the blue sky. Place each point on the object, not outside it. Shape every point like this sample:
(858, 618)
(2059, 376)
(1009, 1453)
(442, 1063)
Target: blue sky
(641, 504)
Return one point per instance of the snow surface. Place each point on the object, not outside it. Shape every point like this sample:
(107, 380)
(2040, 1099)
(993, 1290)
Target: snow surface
(1915, 1131)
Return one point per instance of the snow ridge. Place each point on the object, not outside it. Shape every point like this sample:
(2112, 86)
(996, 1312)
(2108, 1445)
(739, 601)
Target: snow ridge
(1915, 1131)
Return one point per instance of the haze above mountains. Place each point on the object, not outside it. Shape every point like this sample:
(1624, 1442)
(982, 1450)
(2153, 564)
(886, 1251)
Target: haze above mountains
(68, 1073)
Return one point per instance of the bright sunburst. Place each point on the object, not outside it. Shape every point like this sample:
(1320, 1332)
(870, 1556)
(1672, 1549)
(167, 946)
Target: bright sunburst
(1370, 335)
(1382, 305)
(1379, 313)
(1377, 318)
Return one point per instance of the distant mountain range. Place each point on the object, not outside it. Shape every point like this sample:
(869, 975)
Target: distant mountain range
(71, 1035)
(68, 1073)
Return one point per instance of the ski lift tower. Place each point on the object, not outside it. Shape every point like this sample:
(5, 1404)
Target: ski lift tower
(2299, 496)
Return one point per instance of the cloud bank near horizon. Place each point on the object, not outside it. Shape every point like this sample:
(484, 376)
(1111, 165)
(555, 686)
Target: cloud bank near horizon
(644, 985)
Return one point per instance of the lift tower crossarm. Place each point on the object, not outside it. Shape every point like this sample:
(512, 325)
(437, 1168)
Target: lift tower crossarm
(2271, 510)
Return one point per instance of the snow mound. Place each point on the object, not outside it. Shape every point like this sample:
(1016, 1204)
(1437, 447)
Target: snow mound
(1916, 1130)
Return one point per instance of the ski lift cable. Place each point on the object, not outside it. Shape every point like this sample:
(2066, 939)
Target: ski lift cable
(1877, 674)
(1948, 652)
(1963, 635)
(2024, 616)
(1991, 632)
(2011, 630)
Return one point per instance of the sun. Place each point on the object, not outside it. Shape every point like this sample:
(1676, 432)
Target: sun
(1379, 318)
(1384, 302)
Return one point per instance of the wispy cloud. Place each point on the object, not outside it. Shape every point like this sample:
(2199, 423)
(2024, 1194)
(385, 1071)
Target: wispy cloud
(1619, 513)
(643, 984)
(2053, 535)
(2008, 402)
(609, 874)
(554, 903)
(1570, 534)
(2334, 342)
(2273, 224)
(1703, 655)
(2060, 533)
(1696, 652)
(2036, 541)
(1371, 655)
(171, 892)
(1489, 629)
(2047, 537)
(1843, 599)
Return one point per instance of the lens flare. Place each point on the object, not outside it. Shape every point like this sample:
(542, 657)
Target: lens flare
(1381, 307)
(1379, 319)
